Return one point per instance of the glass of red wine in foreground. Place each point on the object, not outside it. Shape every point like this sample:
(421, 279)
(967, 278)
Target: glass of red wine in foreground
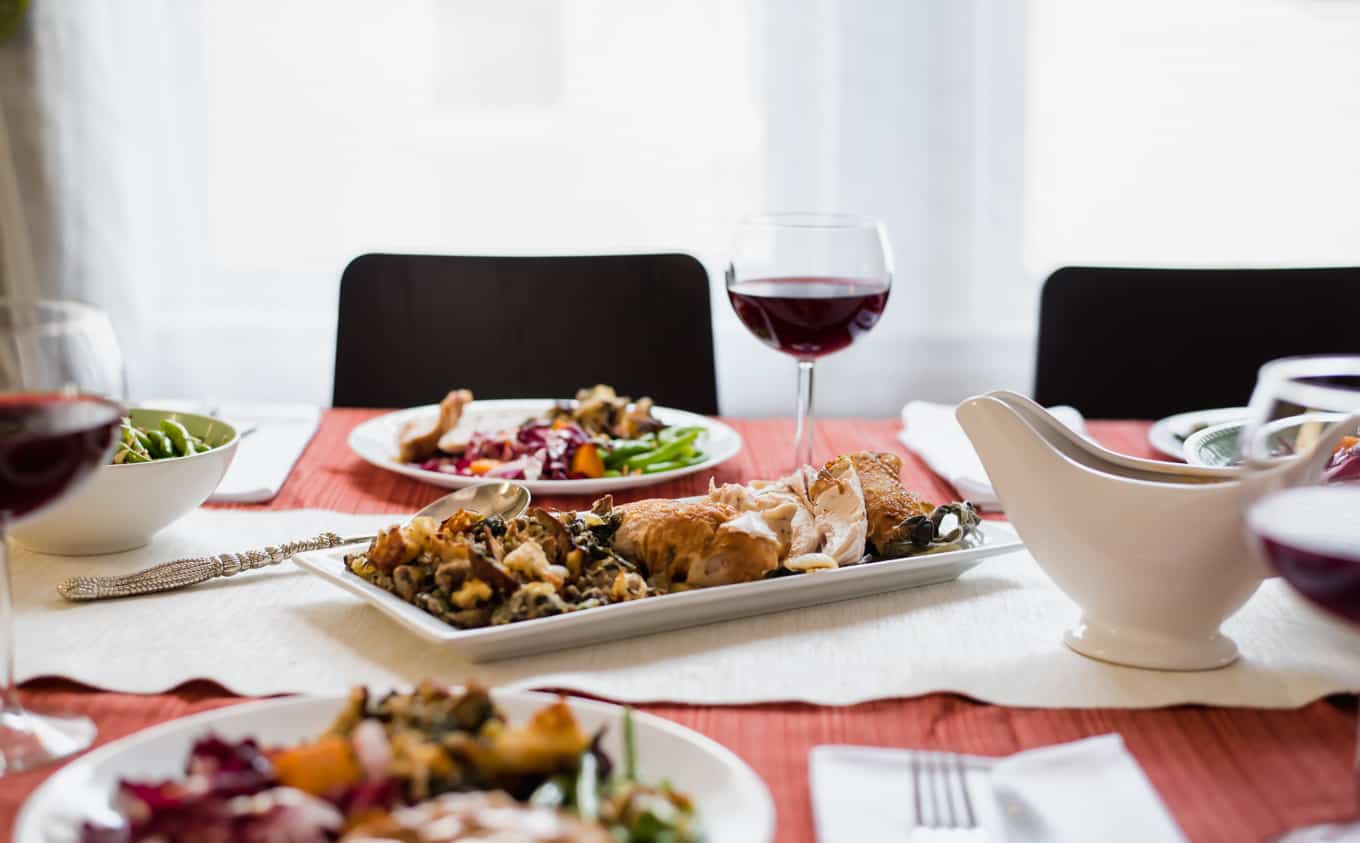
(808, 285)
(60, 368)
(1308, 529)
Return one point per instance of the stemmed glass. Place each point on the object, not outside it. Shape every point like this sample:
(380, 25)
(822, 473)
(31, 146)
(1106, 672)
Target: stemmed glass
(61, 374)
(1303, 518)
(808, 285)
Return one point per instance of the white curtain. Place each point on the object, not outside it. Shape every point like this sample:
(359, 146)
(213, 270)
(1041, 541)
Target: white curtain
(1206, 133)
(209, 168)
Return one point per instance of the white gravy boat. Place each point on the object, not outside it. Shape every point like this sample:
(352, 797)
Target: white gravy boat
(1154, 553)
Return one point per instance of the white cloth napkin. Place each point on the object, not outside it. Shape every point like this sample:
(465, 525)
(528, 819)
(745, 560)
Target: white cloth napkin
(931, 431)
(1092, 789)
(267, 454)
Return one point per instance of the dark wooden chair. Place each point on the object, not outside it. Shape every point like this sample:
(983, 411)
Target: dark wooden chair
(412, 327)
(1146, 343)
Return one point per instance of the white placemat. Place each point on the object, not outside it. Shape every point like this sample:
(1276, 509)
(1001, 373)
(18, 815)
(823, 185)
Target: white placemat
(994, 635)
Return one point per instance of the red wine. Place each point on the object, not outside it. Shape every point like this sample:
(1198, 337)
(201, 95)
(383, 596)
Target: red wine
(1312, 537)
(48, 443)
(808, 317)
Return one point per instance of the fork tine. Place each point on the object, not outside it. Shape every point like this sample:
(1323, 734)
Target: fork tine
(935, 778)
(962, 772)
(931, 786)
(945, 780)
(918, 811)
(937, 816)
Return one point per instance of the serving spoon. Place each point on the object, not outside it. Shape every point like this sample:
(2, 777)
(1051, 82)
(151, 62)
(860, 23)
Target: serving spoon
(490, 499)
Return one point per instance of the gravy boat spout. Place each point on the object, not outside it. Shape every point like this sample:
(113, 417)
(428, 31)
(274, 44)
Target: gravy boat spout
(1154, 553)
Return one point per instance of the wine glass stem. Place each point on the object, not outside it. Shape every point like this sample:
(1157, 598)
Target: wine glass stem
(802, 437)
(9, 696)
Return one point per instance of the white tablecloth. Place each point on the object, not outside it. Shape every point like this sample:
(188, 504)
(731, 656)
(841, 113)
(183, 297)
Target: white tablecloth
(994, 635)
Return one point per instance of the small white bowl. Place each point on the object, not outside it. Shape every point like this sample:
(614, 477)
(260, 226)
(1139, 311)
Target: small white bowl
(123, 506)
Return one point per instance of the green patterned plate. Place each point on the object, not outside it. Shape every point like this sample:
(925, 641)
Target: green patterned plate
(1217, 445)
(1213, 446)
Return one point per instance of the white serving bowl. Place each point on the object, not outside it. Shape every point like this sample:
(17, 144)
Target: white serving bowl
(123, 506)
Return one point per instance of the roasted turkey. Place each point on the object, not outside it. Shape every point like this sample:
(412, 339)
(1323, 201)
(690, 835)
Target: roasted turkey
(813, 519)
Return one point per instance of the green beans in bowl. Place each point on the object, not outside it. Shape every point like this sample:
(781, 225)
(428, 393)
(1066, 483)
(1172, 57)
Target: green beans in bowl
(130, 500)
(169, 438)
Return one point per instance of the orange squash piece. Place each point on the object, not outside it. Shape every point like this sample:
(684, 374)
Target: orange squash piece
(1347, 442)
(587, 461)
(482, 466)
(323, 767)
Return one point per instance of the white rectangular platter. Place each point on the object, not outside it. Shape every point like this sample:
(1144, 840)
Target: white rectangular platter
(669, 611)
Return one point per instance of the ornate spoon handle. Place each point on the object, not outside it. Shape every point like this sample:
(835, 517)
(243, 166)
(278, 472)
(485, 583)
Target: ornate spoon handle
(185, 572)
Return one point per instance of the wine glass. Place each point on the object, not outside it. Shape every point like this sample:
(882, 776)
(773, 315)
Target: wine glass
(808, 285)
(1303, 518)
(61, 375)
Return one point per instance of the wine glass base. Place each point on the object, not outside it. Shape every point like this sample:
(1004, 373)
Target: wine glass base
(29, 740)
(1325, 833)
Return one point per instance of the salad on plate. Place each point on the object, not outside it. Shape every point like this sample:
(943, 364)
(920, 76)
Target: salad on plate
(433, 765)
(599, 434)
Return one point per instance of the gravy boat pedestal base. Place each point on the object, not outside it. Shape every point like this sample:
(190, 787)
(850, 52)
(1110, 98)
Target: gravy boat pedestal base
(1150, 650)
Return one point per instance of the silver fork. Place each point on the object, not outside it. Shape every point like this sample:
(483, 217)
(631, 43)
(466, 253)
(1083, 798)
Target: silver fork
(939, 784)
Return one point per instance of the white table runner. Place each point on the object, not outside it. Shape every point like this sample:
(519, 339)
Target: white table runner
(994, 635)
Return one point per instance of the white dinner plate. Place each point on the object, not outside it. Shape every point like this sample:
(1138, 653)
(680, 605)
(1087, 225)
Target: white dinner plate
(733, 803)
(376, 442)
(1168, 435)
(667, 611)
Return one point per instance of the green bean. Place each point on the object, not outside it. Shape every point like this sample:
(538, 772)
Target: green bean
(178, 435)
(671, 450)
(133, 443)
(669, 434)
(132, 456)
(629, 746)
(612, 472)
(172, 439)
(622, 449)
(672, 465)
(161, 447)
(655, 823)
(129, 454)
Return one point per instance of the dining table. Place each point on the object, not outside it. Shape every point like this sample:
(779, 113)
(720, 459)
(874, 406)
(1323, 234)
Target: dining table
(1225, 774)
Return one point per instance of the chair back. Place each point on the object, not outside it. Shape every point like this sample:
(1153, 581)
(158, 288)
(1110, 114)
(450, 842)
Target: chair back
(1147, 343)
(412, 327)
